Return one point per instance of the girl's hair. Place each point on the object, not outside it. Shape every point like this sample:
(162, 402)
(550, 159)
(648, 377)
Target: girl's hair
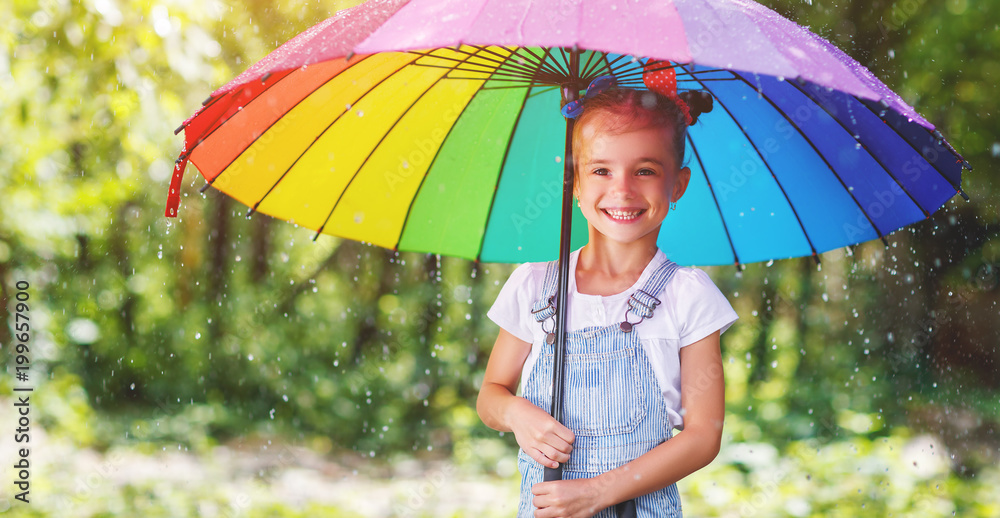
(629, 108)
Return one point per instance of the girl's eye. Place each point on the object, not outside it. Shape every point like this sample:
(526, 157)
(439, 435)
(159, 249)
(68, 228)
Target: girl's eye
(646, 172)
(602, 172)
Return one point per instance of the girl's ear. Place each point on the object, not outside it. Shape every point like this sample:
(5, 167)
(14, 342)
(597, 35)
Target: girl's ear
(681, 183)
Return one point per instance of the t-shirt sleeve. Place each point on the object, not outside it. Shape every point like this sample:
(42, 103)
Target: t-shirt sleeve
(511, 310)
(708, 309)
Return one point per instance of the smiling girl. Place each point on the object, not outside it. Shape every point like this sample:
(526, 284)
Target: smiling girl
(642, 347)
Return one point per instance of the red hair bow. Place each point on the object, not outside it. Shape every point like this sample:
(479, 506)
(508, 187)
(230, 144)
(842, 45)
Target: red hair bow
(660, 77)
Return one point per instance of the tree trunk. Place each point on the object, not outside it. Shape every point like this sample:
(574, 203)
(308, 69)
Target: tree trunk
(218, 275)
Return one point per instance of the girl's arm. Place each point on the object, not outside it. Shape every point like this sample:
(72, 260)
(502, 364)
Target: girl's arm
(539, 435)
(702, 397)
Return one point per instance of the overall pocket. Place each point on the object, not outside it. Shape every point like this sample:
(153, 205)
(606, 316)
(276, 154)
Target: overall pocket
(604, 393)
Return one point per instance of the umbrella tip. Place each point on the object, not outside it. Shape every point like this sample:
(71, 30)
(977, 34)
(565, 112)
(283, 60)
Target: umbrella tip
(251, 210)
(962, 193)
(815, 257)
(205, 187)
(206, 101)
(885, 241)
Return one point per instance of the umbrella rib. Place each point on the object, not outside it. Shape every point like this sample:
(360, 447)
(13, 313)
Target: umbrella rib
(212, 181)
(208, 103)
(539, 62)
(541, 89)
(600, 65)
(505, 60)
(818, 154)
(506, 152)
(316, 139)
(764, 161)
(217, 124)
(718, 208)
(374, 148)
(958, 188)
(547, 86)
(691, 77)
(590, 58)
(520, 83)
(565, 61)
(528, 72)
(872, 155)
(522, 78)
(590, 69)
(613, 69)
(406, 219)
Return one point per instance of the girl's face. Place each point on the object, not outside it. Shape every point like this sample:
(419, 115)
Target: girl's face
(626, 180)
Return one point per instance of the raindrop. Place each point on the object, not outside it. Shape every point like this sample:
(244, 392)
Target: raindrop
(132, 386)
(197, 336)
(250, 357)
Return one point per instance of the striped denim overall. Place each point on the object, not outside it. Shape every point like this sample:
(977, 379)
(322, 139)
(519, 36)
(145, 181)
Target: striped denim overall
(612, 401)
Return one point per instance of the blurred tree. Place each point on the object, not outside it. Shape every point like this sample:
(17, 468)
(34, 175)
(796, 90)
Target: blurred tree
(237, 320)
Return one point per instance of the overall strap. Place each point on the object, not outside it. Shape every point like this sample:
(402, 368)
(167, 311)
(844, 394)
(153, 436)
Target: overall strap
(643, 301)
(545, 306)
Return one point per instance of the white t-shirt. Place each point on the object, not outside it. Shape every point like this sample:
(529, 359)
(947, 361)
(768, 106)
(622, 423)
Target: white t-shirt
(691, 308)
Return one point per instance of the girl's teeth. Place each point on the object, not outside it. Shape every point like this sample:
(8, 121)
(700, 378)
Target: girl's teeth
(621, 214)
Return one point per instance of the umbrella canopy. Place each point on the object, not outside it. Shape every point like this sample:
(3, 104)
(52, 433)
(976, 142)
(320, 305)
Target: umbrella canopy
(434, 126)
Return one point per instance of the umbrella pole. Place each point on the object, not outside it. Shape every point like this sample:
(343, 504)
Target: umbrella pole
(569, 93)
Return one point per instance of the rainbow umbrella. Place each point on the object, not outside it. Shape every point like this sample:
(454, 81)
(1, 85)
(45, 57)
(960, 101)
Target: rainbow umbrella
(434, 126)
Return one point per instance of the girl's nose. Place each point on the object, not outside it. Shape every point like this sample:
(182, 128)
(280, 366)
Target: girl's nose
(623, 184)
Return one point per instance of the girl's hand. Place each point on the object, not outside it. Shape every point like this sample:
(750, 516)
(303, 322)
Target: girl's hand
(539, 435)
(577, 498)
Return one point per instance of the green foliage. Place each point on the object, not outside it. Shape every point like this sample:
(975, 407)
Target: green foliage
(207, 328)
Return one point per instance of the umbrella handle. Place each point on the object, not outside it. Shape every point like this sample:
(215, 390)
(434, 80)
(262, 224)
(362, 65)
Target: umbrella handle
(552, 474)
(626, 509)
